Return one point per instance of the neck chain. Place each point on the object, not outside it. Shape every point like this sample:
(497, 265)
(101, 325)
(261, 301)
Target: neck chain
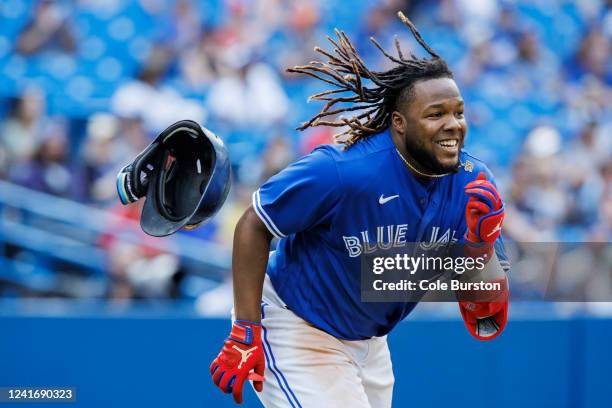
(420, 173)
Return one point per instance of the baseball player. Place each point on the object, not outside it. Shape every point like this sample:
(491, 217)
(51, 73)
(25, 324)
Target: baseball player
(399, 175)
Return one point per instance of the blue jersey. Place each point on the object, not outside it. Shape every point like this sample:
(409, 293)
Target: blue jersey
(332, 205)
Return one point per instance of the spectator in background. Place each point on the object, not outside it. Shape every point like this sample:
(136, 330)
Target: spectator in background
(131, 139)
(593, 57)
(48, 29)
(591, 149)
(588, 95)
(139, 267)
(604, 229)
(98, 163)
(146, 97)
(297, 35)
(582, 179)
(382, 23)
(248, 91)
(536, 69)
(198, 63)
(535, 181)
(249, 94)
(49, 170)
(277, 156)
(572, 179)
(475, 62)
(184, 26)
(247, 27)
(19, 133)
(109, 144)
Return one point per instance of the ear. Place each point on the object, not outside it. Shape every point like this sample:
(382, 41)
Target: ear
(398, 121)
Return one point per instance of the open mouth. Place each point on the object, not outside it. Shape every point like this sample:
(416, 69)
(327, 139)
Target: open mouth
(448, 144)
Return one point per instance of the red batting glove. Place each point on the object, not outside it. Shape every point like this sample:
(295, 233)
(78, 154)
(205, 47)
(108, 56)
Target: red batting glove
(484, 212)
(241, 353)
(485, 313)
(486, 318)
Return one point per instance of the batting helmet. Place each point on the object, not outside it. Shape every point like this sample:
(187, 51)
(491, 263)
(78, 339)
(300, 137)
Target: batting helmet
(185, 175)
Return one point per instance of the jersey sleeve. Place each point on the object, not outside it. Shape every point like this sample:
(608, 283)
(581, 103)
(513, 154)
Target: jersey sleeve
(301, 196)
(498, 246)
(502, 257)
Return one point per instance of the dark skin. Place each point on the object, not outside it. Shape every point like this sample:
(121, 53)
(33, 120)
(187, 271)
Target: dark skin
(433, 114)
(249, 261)
(432, 117)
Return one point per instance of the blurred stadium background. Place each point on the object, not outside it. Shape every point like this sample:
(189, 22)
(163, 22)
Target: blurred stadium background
(88, 300)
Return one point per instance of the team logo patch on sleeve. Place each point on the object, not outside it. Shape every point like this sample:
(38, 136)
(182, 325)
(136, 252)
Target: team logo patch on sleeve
(468, 166)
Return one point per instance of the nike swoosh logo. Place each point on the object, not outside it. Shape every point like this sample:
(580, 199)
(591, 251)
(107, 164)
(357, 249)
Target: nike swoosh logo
(383, 200)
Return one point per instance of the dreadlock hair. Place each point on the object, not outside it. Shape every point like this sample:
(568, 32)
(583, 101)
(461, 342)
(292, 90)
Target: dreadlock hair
(346, 71)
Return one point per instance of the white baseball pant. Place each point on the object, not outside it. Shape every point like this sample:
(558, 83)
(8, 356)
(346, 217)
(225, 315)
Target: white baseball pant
(306, 367)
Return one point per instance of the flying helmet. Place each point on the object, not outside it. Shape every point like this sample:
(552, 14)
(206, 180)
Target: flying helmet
(185, 175)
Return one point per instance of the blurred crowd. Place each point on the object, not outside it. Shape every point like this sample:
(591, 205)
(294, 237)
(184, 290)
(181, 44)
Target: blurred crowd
(89, 83)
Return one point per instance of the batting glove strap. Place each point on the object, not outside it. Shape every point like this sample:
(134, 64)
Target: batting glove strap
(242, 352)
(243, 332)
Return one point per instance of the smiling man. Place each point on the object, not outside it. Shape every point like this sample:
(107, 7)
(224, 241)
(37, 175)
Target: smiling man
(399, 175)
(421, 128)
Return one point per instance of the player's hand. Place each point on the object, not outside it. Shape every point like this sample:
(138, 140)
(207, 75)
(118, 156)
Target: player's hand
(484, 212)
(486, 318)
(484, 313)
(241, 353)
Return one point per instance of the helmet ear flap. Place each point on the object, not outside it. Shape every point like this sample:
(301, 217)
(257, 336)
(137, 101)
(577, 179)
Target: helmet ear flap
(133, 179)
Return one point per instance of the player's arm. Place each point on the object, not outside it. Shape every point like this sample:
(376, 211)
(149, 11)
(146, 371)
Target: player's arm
(249, 262)
(299, 197)
(243, 350)
(485, 313)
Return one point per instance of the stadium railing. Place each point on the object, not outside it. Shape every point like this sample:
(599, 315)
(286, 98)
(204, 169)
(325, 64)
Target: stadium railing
(42, 235)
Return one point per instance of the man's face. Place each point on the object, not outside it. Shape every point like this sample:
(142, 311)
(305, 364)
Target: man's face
(435, 126)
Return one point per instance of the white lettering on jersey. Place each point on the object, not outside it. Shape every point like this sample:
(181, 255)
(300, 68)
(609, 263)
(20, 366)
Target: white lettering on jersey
(388, 236)
(367, 248)
(352, 245)
(445, 239)
(400, 235)
(395, 236)
(380, 239)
